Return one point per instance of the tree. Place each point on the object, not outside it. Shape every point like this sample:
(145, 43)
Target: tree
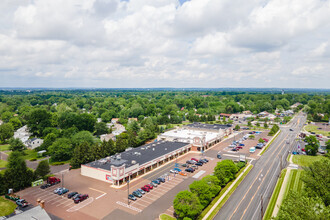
(317, 180)
(38, 120)
(328, 145)
(85, 122)
(17, 175)
(106, 148)
(298, 206)
(265, 125)
(251, 136)
(83, 136)
(121, 142)
(237, 127)
(61, 150)
(261, 140)
(133, 126)
(203, 192)
(6, 116)
(6, 131)
(249, 124)
(187, 204)
(15, 122)
(214, 184)
(101, 128)
(258, 124)
(42, 169)
(82, 154)
(225, 169)
(16, 144)
(312, 145)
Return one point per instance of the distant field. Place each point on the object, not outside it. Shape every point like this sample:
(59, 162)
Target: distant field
(313, 128)
(3, 163)
(4, 147)
(305, 160)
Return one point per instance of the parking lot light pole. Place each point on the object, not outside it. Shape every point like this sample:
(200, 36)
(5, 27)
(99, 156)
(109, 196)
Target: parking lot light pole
(128, 192)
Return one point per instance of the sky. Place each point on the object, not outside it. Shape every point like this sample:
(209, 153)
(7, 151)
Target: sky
(165, 43)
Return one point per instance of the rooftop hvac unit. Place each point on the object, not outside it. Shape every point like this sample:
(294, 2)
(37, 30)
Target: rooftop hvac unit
(153, 145)
(153, 149)
(142, 148)
(133, 162)
(165, 148)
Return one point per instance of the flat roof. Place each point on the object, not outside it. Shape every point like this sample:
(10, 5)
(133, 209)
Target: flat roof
(185, 134)
(199, 125)
(140, 155)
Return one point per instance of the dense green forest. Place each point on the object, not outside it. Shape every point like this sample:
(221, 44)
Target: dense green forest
(67, 120)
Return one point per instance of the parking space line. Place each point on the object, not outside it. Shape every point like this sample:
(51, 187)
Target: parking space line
(47, 195)
(62, 203)
(158, 193)
(101, 196)
(129, 206)
(140, 205)
(81, 205)
(70, 204)
(96, 190)
(54, 198)
(61, 199)
(162, 190)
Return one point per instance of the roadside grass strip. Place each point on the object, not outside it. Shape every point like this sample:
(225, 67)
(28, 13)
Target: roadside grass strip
(273, 199)
(265, 148)
(294, 182)
(244, 171)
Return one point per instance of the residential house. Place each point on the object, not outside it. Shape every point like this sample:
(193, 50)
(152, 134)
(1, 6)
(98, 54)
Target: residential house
(34, 143)
(225, 115)
(114, 121)
(23, 134)
(107, 137)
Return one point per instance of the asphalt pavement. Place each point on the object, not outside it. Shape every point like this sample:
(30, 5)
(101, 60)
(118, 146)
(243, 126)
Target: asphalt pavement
(250, 199)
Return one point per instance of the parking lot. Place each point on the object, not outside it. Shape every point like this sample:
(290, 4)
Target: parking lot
(104, 199)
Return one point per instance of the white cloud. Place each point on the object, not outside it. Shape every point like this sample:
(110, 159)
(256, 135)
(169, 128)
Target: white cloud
(160, 43)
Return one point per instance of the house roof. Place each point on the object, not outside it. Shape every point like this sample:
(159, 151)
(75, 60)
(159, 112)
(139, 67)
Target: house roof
(140, 155)
(224, 114)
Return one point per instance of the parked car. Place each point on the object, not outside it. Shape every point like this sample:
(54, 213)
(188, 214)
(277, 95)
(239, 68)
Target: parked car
(141, 191)
(190, 170)
(75, 196)
(252, 149)
(206, 160)
(182, 174)
(259, 146)
(53, 180)
(156, 181)
(242, 145)
(145, 188)
(219, 155)
(161, 179)
(80, 198)
(62, 191)
(194, 167)
(149, 186)
(177, 169)
(265, 139)
(194, 159)
(239, 147)
(184, 165)
(137, 194)
(57, 189)
(201, 161)
(199, 164)
(131, 197)
(44, 186)
(22, 203)
(174, 171)
(153, 184)
(232, 145)
(71, 194)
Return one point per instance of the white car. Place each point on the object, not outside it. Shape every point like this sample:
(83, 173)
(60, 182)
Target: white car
(57, 190)
(174, 171)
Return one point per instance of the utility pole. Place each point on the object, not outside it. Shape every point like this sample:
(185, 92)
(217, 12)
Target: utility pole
(62, 181)
(262, 208)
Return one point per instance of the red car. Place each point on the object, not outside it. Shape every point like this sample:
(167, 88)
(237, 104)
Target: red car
(194, 159)
(239, 147)
(303, 149)
(80, 198)
(145, 188)
(149, 186)
(265, 139)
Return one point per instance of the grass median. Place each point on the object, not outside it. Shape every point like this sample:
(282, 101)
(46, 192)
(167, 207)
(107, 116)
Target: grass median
(314, 128)
(264, 150)
(273, 199)
(166, 217)
(215, 211)
(305, 160)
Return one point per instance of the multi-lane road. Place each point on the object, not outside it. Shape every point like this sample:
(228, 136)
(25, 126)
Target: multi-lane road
(251, 198)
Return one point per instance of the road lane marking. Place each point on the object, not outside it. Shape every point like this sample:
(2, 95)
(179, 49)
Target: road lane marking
(101, 196)
(96, 190)
(255, 180)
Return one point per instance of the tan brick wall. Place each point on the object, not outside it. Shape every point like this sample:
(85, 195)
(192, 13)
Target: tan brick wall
(95, 173)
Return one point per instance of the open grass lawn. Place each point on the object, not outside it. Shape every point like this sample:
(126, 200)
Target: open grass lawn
(4, 147)
(305, 160)
(313, 128)
(6, 206)
(294, 182)
(30, 154)
(3, 163)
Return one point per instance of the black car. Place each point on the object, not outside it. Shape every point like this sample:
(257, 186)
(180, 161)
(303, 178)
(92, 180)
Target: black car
(184, 165)
(234, 149)
(206, 160)
(189, 162)
(190, 170)
(258, 147)
(161, 179)
(72, 194)
(291, 129)
(45, 186)
(219, 156)
(199, 164)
